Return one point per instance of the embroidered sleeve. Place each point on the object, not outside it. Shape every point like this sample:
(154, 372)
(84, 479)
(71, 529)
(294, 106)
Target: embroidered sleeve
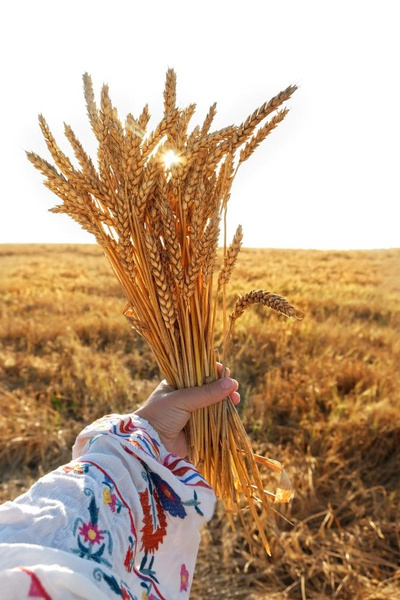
(123, 517)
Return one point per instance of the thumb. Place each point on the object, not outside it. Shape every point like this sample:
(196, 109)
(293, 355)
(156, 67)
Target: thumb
(208, 394)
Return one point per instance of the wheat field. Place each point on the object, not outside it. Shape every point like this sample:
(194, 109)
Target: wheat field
(322, 396)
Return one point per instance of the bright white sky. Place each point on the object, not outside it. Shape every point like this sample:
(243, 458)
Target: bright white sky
(328, 177)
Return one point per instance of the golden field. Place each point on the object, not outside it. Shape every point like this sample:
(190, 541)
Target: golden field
(322, 396)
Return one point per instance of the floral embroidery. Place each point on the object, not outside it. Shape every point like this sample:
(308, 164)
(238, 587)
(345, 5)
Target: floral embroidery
(154, 521)
(159, 498)
(161, 502)
(91, 534)
(109, 497)
(195, 503)
(184, 579)
(120, 590)
(120, 502)
(129, 561)
(169, 499)
(77, 467)
(149, 586)
(147, 569)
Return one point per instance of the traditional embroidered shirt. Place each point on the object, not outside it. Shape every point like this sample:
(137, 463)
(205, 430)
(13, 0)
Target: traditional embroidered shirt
(121, 520)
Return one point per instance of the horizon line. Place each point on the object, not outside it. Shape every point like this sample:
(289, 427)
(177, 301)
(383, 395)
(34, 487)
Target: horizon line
(311, 248)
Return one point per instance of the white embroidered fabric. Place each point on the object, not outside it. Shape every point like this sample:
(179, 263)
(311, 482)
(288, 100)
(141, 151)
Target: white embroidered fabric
(121, 520)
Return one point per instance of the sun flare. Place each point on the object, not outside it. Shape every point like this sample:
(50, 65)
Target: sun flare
(170, 158)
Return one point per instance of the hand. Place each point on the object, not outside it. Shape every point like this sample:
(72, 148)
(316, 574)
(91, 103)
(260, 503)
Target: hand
(168, 410)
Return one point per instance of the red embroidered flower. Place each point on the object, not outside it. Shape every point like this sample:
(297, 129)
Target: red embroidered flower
(184, 579)
(91, 533)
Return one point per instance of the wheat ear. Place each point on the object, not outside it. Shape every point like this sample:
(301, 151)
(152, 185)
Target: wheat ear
(230, 258)
(278, 303)
(274, 301)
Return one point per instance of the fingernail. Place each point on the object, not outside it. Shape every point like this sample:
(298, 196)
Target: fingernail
(226, 383)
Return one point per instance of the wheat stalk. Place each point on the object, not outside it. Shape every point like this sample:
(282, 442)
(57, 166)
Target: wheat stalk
(159, 227)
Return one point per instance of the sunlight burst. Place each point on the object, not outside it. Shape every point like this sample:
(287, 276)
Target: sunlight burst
(170, 158)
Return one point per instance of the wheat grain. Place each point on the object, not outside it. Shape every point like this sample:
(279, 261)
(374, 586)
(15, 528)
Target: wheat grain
(134, 134)
(230, 258)
(274, 301)
(62, 161)
(210, 246)
(170, 92)
(112, 135)
(91, 107)
(165, 297)
(261, 134)
(144, 117)
(249, 125)
(147, 184)
(86, 163)
(193, 136)
(209, 119)
(42, 165)
(168, 123)
(171, 243)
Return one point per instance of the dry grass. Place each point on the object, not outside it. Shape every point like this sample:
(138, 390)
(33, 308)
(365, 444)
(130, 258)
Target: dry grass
(323, 397)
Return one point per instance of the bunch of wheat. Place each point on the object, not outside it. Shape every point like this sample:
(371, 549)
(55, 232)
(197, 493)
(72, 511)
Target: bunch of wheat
(159, 226)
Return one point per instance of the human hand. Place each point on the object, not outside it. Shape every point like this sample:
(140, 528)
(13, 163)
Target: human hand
(168, 410)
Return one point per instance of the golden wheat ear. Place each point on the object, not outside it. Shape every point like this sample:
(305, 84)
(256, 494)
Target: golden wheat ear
(274, 301)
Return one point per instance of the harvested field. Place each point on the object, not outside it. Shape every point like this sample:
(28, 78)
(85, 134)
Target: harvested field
(322, 396)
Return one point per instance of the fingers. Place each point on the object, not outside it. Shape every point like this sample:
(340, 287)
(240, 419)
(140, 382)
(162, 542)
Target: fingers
(191, 399)
(199, 397)
(227, 371)
(235, 397)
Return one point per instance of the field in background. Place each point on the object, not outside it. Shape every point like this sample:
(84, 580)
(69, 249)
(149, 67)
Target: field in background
(322, 396)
